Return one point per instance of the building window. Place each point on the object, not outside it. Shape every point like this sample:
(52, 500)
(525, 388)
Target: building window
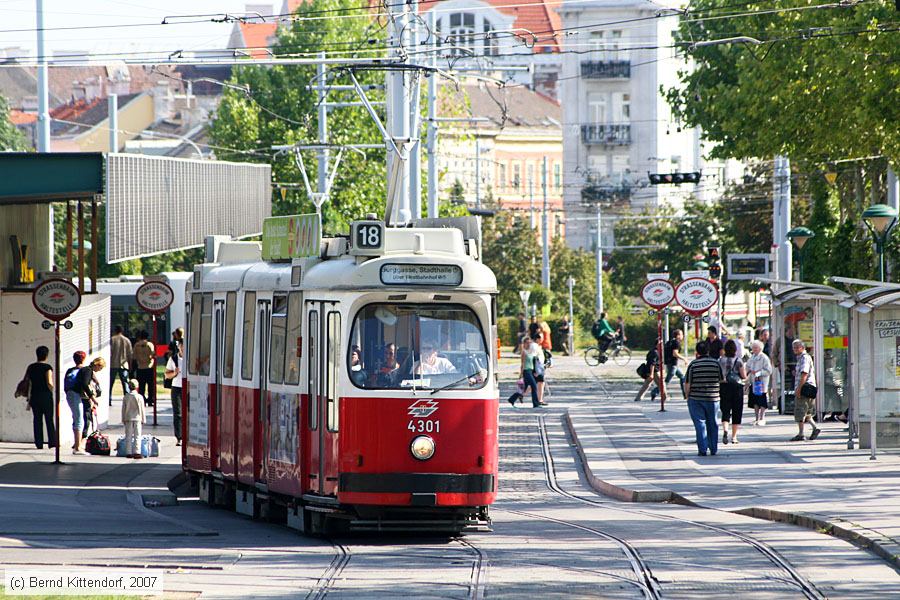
(517, 177)
(597, 108)
(557, 176)
(491, 42)
(529, 177)
(596, 43)
(621, 107)
(462, 31)
(501, 177)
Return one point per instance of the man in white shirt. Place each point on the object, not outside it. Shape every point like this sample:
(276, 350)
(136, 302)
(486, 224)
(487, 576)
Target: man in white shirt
(431, 363)
(173, 374)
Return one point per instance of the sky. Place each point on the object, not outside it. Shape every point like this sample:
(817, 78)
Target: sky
(20, 14)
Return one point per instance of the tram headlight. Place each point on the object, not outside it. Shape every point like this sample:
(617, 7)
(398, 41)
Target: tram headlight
(422, 447)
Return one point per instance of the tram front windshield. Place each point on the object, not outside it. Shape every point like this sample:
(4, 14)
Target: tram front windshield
(413, 346)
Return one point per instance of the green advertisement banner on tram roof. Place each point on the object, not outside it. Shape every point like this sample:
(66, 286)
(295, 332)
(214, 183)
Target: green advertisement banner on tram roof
(294, 236)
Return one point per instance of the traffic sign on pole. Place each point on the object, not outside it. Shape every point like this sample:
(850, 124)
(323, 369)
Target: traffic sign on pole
(658, 293)
(56, 299)
(696, 295)
(154, 297)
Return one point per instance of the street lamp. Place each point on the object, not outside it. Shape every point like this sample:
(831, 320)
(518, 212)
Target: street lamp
(880, 219)
(799, 235)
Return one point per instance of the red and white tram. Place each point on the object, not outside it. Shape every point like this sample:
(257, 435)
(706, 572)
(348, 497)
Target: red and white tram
(351, 387)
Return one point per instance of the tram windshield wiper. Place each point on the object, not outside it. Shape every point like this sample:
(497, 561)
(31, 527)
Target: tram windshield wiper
(457, 382)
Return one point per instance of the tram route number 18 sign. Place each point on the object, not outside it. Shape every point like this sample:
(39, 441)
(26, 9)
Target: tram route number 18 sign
(696, 295)
(154, 296)
(658, 293)
(56, 299)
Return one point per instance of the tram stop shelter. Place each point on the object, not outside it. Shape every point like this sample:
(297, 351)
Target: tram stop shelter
(875, 358)
(149, 205)
(815, 314)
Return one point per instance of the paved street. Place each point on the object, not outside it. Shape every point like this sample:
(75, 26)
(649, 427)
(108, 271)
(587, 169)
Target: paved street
(552, 532)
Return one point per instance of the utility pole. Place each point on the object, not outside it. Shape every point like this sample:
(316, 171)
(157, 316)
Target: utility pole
(599, 265)
(477, 171)
(113, 107)
(398, 117)
(43, 138)
(322, 154)
(415, 146)
(545, 235)
(432, 121)
(782, 216)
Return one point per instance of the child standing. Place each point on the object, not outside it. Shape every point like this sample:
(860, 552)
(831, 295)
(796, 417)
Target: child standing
(133, 418)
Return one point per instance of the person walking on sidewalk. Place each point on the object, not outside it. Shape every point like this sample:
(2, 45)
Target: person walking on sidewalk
(702, 387)
(144, 356)
(119, 360)
(671, 356)
(652, 365)
(804, 392)
(731, 391)
(133, 418)
(759, 370)
(714, 343)
(521, 332)
(563, 332)
(532, 354)
(173, 374)
(73, 398)
(40, 398)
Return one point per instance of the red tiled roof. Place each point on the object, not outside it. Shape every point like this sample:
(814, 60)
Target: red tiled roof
(17, 117)
(534, 15)
(258, 36)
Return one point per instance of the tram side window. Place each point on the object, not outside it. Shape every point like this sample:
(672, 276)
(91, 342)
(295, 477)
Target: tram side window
(230, 309)
(247, 338)
(279, 326)
(203, 352)
(194, 335)
(334, 361)
(312, 335)
(293, 341)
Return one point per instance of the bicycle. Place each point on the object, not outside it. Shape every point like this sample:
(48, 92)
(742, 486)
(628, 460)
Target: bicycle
(618, 351)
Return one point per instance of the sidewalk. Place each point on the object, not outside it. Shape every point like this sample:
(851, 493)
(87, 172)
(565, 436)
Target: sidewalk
(635, 453)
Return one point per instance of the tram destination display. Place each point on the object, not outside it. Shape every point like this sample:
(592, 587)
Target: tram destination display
(419, 274)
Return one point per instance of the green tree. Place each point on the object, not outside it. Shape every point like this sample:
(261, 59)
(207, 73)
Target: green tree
(511, 249)
(822, 85)
(11, 139)
(279, 109)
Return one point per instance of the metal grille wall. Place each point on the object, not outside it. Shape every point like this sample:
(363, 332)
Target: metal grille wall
(156, 204)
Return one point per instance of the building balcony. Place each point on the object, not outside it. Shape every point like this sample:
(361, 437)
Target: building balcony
(606, 193)
(606, 69)
(611, 134)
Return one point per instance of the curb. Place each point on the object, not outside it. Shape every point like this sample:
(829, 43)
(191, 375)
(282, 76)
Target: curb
(616, 491)
(889, 551)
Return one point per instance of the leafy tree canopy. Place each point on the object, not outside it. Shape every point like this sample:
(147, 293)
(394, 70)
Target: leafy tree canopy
(822, 85)
(11, 139)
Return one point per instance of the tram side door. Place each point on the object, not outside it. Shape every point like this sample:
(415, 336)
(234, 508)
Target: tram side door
(219, 359)
(264, 314)
(323, 360)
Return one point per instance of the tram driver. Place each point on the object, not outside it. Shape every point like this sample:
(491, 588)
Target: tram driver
(431, 363)
(386, 367)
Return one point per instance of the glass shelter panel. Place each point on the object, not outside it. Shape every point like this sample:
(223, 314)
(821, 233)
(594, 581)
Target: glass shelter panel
(798, 323)
(835, 347)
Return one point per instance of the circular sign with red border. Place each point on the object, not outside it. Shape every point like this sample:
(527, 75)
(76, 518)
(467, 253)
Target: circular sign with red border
(56, 299)
(154, 296)
(658, 293)
(696, 295)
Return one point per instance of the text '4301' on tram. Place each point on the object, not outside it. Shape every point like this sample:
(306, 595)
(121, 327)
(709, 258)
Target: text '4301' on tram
(346, 382)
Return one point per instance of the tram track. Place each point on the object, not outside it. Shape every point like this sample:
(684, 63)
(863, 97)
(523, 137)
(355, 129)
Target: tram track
(794, 578)
(335, 568)
(478, 581)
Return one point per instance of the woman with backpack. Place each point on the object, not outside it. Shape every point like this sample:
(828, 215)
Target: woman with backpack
(731, 391)
(73, 398)
(89, 389)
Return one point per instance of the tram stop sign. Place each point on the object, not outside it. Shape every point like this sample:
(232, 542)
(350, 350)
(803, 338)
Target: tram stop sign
(696, 295)
(56, 299)
(154, 296)
(658, 293)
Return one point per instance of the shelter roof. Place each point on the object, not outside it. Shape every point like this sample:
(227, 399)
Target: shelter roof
(782, 290)
(868, 294)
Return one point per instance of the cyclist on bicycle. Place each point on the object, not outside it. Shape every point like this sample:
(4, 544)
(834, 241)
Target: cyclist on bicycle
(604, 333)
